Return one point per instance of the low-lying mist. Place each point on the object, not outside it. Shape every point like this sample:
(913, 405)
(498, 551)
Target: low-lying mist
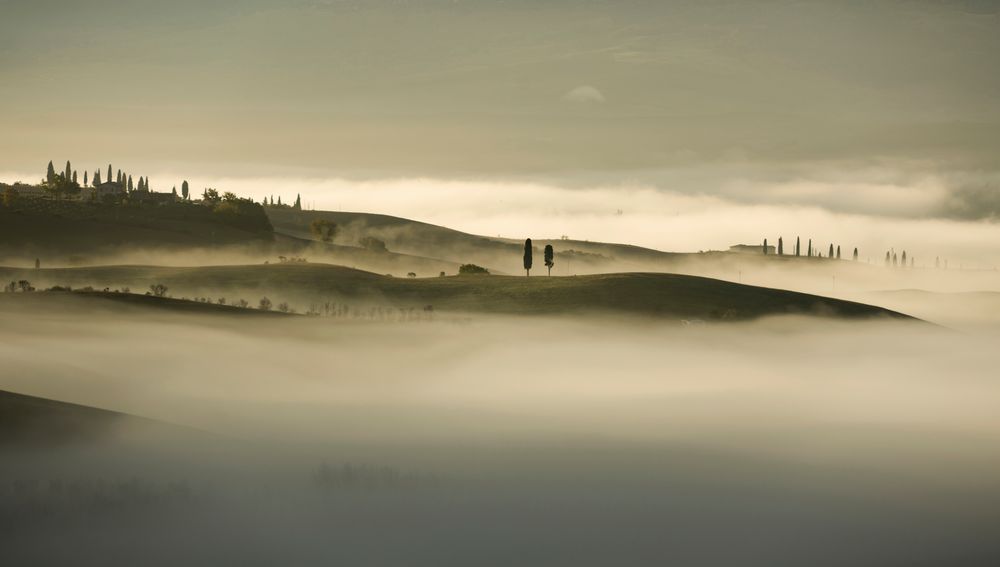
(490, 440)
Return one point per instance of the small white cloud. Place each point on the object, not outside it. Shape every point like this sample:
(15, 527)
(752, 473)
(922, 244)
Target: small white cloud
(584, 94)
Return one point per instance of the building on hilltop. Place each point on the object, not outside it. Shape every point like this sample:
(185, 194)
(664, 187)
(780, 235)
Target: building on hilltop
(751, 249)
(102, 190)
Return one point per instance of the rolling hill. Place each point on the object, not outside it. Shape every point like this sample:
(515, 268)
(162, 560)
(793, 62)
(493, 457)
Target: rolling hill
(29, 421)
(646, 294)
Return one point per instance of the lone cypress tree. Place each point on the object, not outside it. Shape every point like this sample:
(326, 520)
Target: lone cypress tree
(781, 247)
(184, 190)
(527, 256)
(298, 202)
(50, 173)
(798, 246)
(549, 258)
(855, 253)
(810, 253)
(85, 178)
(765, 247)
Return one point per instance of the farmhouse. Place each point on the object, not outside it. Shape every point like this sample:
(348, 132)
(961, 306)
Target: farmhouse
(751, 249)
(102, 190)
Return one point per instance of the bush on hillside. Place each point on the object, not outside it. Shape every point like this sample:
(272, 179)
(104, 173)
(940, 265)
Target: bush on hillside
(372, 243)
(472, 269)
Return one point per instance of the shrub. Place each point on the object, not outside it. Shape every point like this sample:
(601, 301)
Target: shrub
(323, 229)
(372, 243)
(472, 269)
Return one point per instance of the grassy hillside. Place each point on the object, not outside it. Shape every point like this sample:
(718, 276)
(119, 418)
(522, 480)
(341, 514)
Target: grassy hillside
(653, 294)
(504, 254)
(118, 302)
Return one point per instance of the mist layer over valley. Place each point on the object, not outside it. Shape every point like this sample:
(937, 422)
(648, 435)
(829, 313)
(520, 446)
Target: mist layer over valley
(492, 439)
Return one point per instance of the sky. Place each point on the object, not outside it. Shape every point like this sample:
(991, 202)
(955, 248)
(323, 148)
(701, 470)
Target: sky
(880, 113)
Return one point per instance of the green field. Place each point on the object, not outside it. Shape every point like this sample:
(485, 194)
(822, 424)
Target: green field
(644, 294)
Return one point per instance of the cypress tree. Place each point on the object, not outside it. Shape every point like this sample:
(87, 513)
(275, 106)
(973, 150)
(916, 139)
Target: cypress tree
(97, 178)
(838, 251)
(50, 173)
(119, 174)
(69, 171)
(855, 254)
(830, 253)
(298, 202)
(129, 183)
(74, 178)
(184, 190)
(798, 246)
(549, 258)
(279, 200)
(781, 247)
(810, 252)
(527, 255)
(85, 178)
(765, 247)
(904, 258)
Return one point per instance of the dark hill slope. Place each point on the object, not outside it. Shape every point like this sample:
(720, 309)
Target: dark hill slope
(655, 294)
(28, 421)
(64, 228)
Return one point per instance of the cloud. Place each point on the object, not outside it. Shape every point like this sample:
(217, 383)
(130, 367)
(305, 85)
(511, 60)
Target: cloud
(584, 94)
(973, 202)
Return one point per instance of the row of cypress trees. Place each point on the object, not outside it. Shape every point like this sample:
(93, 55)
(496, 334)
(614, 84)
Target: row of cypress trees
(69, 178)
(810, 251)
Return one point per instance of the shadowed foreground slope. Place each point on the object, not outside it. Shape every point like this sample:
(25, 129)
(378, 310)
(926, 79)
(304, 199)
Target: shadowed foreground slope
(654, 294)
(30, 421)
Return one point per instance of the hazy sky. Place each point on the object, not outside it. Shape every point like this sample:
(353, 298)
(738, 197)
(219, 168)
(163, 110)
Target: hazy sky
(871, 108)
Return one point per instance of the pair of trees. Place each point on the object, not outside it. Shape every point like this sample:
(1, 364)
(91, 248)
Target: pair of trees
(23, 285)
(549, 256)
